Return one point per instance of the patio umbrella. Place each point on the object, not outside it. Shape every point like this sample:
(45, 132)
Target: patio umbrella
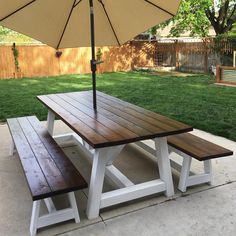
(74, 23)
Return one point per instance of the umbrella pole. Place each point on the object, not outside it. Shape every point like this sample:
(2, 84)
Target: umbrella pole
(93, 61)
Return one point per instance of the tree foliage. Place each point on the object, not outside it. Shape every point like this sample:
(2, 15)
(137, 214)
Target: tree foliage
(232, 33)
(4, 31)
(7, 36)
(196, 16)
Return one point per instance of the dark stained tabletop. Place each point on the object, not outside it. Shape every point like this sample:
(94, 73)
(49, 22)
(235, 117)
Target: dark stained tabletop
(116, 122)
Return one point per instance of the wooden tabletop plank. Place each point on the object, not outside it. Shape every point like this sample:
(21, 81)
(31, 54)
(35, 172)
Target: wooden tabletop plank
(153, 120)
(139, 120)
(123, 139)
(86, 133)
(124, 132)
(51, 172)
(158, 123)
(127, 124)
(111, 116)
(99, 128)
(117, 122)
(35, 178)
(144, 112)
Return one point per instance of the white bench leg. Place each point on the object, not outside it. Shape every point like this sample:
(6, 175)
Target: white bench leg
(49, 204)
(74, 206)
(34, 217)
(186, 180)
(208, 170)
(184, 174)
(54, 216)
(12, 148)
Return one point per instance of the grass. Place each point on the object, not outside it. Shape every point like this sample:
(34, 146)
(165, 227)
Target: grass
(194, 100)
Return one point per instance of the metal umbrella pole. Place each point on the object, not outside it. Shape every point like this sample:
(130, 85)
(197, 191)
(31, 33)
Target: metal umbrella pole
(93, 60)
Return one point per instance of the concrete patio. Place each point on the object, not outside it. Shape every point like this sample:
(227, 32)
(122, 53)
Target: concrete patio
(202, 210)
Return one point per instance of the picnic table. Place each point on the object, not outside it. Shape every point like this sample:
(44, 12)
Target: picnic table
(104, 133)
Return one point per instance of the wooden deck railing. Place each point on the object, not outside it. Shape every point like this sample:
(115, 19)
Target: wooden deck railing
(226, 74)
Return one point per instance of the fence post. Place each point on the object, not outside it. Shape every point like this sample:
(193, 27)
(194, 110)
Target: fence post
(205, 43)
(206, 62)
(155, 54)
(176, 55)
(218, 74)
(132, 55)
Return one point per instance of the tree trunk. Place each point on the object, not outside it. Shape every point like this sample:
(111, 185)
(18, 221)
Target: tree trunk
(222, 23)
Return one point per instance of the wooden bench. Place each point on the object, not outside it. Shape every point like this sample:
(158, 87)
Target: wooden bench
(190, 146)
(47, 169)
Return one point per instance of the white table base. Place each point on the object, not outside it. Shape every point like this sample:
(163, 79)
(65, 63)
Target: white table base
(102, 159)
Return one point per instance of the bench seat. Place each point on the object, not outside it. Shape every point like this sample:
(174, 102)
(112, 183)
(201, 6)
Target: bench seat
(190, 146)
(197, 147)
(48, 171)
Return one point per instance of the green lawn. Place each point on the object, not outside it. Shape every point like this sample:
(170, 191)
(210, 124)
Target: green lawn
(194, 100)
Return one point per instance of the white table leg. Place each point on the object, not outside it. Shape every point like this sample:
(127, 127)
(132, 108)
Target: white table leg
(164, 164)
(116, 177)
(50, 122)
(113, 153)
(100, 160)
(119, 179)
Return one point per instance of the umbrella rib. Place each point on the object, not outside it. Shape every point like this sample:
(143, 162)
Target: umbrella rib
(68, 19)
(29, 3)
(77, 3)
(109, 20)
(160, 8)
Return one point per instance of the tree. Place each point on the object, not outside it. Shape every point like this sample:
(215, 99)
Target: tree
(232, 33)
(222, 16)
(4, 31)
(196, 16)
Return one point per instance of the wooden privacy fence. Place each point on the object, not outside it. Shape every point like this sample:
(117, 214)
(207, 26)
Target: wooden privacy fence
(193, 55)
(190, 56)
(41, 60)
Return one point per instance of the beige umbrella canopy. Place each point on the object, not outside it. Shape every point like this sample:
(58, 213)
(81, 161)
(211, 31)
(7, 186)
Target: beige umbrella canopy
(74, 23)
